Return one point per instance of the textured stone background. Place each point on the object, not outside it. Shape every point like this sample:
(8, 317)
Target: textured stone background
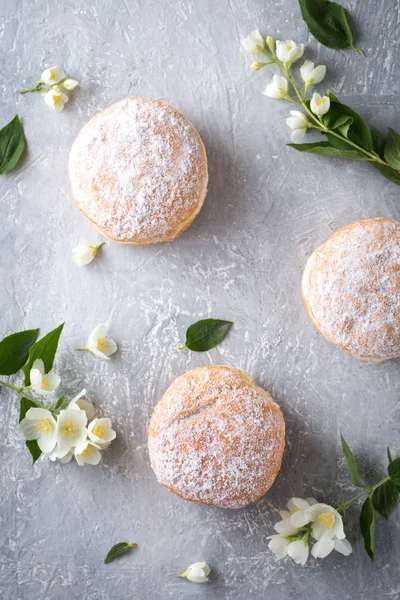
(268, 207)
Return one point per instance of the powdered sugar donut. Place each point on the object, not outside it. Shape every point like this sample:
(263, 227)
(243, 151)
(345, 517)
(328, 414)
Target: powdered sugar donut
(138, 172)
(351, 287)
(217, 438)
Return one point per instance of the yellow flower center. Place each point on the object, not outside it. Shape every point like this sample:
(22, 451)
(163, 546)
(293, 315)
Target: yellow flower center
(43, 426)
(88, 451)
(297, 509)
(52, 76)
(45, 383)
(319, 102)
(289, 47)
(56, 99)
(101, 343)
(327, 520)
(99, 431)
(69, 430)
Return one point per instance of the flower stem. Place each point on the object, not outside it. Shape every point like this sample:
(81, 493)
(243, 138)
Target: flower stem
(368, 491)
(35, 88)
(22, 394)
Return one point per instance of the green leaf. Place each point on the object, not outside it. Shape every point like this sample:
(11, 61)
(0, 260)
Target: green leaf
(358, 131)
(327, 149)
(206, 334)
(394, 472)
(388, 172)
(12, 144)
(378, 142)
(367, 525)
(32, 445)
(59, 402)
(385, 499)
(392, 149)
(390, 459)
(14, 350)
(328, 23)
(351, 463)
(334, 119)
(45, 349)
(118, 550)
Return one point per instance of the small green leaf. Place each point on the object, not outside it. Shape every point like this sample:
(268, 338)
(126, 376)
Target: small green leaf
(378, 143)
(14, 350)
(367, 525)
(327, 149)
(118, 550)
(390, 459)
(388, 172)
(358, 131)
(45, 349)
(32, 445)
(334, 119)
(394, 472)
(59, 402)
(206, 334)
(351, 463)
(12, 144)
(328, 23)
(385, 499)
(392, 149)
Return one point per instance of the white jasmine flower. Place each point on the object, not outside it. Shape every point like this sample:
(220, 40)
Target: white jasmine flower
(278, 88)
(62, 457)
(100, 431)
(279, 546)
(71, 429)
(285, 527)
(83, 255)
(100, 343)
(254, 43)
(326, 521)
(87, 453)
(320, 104)
(40, 382)
(39, 424)
(298, 551)
(289, 51)
(299, 124)
(312, 75)
(197, 572)
(52, 75)
(56, 100)
(70, 84)
(343, 546)
(80, 403)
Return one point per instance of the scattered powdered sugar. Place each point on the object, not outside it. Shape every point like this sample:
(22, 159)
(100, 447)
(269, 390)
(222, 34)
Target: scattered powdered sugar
(217, 438)
(138, 171)
(353, 288)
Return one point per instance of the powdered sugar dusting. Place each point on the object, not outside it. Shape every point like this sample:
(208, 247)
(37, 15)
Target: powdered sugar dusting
(216, 438)
(138, 171)
(353, 288)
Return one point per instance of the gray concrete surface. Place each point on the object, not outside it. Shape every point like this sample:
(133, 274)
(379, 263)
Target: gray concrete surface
(268, 207)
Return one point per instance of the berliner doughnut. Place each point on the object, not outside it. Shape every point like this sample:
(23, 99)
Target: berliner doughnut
(217, 438)
(138, 172)
(351, 287)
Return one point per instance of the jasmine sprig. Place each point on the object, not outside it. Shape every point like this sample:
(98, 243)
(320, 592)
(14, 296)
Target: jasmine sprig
(382, 496)
(59, 433)
(52, 84)
(348, 135)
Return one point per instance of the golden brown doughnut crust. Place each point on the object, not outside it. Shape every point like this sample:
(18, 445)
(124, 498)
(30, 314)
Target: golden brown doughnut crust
(138, 172)
(217, 438)
(351, 288)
